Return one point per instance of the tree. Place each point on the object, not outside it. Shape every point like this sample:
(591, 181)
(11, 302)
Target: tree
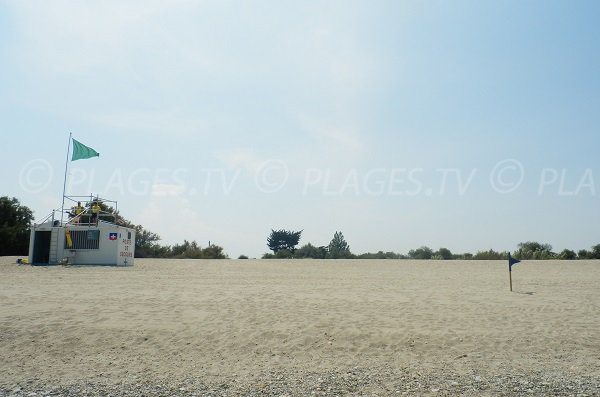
(145, 240)
(489, 255)
(283, 240)
(567, 254)
(191, 250)
(596, 251)
(421, 253)
(338, 247)
(381, 255)
(593, 254)
(534, 250)
(15, 226)
(443, 253)
(310, 251)
(213, 252)
(584, 254)
(187, 250)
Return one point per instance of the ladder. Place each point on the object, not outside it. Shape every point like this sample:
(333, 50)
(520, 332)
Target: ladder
(53, 255)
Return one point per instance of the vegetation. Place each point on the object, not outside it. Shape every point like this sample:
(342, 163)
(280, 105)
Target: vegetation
(533, 250)
(283, 240)
(421, 253)
(593, 254)
(443, 253)
(310, 251)
(146, 243)
(489, 255)
(339, 248)
(381, 255)
(567, 254)
(16, 220)
(15, 226)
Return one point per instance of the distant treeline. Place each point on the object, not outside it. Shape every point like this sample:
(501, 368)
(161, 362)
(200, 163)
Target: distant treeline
(16, 220)
(283, 244)
(186, 250)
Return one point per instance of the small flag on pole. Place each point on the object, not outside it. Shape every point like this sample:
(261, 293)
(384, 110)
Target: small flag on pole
(82, 152)
(511, 261)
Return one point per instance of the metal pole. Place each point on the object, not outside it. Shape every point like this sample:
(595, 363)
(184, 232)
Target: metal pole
(510, 278)
(62, 208)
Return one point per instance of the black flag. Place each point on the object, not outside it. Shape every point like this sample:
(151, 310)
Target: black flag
(512, 261)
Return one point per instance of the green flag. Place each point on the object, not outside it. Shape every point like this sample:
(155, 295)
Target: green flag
(80, 151)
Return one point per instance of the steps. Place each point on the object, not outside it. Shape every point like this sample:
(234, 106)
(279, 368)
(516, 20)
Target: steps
(53, 256)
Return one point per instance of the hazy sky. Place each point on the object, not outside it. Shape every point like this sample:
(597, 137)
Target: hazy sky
(461, 124)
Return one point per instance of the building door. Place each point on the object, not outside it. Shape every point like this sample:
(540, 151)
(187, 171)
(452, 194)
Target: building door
(41, 247)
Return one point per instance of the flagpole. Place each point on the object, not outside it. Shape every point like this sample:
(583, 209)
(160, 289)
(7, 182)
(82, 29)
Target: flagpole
(510, 278)
(62, 210)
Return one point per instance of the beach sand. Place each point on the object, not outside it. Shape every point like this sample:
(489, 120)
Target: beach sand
(301, 327)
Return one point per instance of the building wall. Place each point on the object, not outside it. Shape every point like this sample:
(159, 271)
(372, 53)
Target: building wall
(116, 244)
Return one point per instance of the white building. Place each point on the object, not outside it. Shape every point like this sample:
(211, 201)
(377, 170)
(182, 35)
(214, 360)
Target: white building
(78, 243)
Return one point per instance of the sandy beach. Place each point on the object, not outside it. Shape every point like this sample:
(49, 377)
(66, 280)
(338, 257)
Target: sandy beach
(301, 327)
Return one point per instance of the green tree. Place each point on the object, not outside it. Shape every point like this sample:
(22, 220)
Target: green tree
(596, 251)
(584, 254)
(186, 250)
(146, 245)
(213, 252)
(489, 255)
(338, 247)
(443, 253)
(381, 255)
(15, 226)
(534, 250)
(191, 250)
(567, 255)
(283, 240)
(311, 251)
(421, 253)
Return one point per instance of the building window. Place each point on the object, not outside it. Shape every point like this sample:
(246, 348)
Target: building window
(83, 240)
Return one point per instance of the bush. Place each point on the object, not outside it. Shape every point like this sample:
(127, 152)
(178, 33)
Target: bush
(421, 253)
(534, 250)
(443, 253)
(490, 255)
(15, 221)
(310, 251)
(284, 254)
(567, 255)
(381, 255)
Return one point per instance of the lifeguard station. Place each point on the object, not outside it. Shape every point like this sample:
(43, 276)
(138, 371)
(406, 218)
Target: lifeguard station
(84, 239)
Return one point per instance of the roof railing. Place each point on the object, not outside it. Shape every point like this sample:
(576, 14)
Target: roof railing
(86, 217)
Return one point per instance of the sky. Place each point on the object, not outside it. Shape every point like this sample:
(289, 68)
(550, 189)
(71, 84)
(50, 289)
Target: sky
(468, 125)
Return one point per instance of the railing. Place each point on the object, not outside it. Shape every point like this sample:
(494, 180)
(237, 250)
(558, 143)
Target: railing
(50, 216)
(86, 217)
